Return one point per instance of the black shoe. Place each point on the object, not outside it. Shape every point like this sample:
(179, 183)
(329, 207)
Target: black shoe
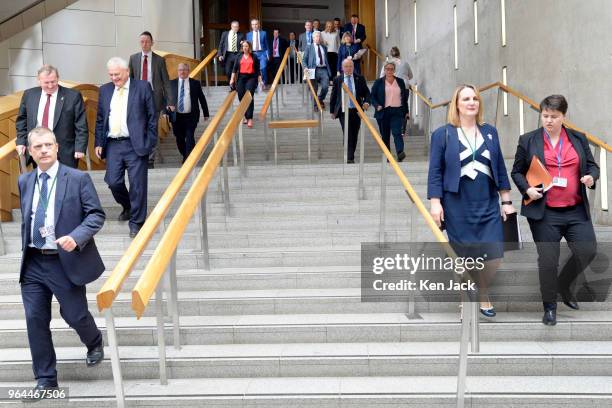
(488, 312)
(40, 391)
(125, 215)
(550, 317)
(151, 164)
(569, 300)
(401, 156)
(349, 161)
(95, 355)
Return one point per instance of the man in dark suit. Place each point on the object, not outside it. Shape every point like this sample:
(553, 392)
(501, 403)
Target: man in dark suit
(357, 30)
(57, 108)
(315, 57)
(61, 213)
(187, 113)
(229, 48)
(277, 46)
(293, 44)
(358, 86)
(305, 38)
(126, 133)
(150, 67)
(259, 44)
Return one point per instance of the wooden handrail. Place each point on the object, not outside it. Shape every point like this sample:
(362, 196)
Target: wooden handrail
(277, 77)
(8, 150)
(420, 95)
(146, 285)
(112, 286)
(293, 124)
(379, 55)
(404, 180)
(312, 91)
(196, 71)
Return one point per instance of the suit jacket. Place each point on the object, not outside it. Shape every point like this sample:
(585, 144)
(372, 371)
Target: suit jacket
(141, 117)
(78, 213)
(360, 32)
(310, 57)
(282, 46)
(344, 52)
(445, 166)
(236, 68)
(223, 49)
(195, 95)
(362, 93)
(69, 121)
(532, 144)
(263, 39)
(378, 96)
(161, 82)
(303, 41)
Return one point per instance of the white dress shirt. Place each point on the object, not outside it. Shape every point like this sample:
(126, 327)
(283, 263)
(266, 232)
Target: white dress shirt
(41, 108)
(320, 63)
(256, 41)
(50, 215)
(351, 87)
(149, 70)
(186, 98)
(119, 107)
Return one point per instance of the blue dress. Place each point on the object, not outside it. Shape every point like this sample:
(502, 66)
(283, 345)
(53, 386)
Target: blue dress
(472, 214)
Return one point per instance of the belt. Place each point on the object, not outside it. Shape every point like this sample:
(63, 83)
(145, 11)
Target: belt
(118, 139)
(562, 209)
(46, 252)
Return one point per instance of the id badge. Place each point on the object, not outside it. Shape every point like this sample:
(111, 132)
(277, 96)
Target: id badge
(560, 182)
(47, 231)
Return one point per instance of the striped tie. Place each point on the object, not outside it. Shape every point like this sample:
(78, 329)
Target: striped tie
(233, 42)
(116, 125)
(181, 103)
(41, 209)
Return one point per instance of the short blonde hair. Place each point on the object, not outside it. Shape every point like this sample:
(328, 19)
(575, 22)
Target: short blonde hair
(453, 109)
(345, 35)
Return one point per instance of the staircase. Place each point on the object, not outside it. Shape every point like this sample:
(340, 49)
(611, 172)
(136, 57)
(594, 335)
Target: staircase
(278, 320)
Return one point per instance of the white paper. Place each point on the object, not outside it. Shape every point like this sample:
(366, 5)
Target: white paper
(310, 73)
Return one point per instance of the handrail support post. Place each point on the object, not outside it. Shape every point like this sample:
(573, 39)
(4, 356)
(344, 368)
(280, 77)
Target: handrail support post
(361, 193)
(161, 338)
(383, 199)
(346, 125)
(113, 346)
(204, 234)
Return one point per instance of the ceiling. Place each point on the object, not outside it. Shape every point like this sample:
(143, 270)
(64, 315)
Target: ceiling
(9, 8)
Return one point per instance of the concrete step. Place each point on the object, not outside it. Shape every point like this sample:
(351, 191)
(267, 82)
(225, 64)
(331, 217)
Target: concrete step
(332, 328)
(575, 358)
(337, 392)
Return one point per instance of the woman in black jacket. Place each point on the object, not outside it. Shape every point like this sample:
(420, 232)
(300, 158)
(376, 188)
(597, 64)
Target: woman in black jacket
(563, 210)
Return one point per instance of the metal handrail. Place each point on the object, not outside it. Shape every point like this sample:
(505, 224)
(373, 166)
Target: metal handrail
(148, 282)
(273, 87)
(111, 288)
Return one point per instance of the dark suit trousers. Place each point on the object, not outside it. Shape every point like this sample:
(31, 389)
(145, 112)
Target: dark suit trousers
(230, 59)
(184, 129)
(274, 65)
(572, 224)
(247, 82)
(44, 277)
(392, 123)
(332, 57)
(354, 122)
(120, 156)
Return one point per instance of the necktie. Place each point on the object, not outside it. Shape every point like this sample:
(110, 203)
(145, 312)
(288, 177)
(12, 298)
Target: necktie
(321, 62)
(354, 29)
(41, 209)
(350, 85)
(145, 68)
(309, 37)
(45, 118)
(181, 103)
(233, 42)
(276, 47)
(116, 125)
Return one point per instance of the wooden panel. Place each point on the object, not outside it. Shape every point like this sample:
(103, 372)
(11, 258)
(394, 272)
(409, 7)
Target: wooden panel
(367, 17)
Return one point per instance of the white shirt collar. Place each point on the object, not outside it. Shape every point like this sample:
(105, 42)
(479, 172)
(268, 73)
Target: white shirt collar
(53, 95)
(52, 171)
(148, 54)
(126, 85)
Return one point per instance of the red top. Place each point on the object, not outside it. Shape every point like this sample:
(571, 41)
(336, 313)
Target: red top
(246, 65)
(570, 169)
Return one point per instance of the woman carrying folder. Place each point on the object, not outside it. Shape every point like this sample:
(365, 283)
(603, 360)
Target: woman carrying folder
(467, 177)
(561, 211)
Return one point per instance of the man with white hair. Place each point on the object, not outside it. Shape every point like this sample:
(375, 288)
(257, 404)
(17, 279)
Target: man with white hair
(315, 57)
(125, 136)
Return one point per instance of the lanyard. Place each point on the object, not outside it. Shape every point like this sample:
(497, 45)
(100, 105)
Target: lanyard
(473, 149)
(558, 154)
(45, 200)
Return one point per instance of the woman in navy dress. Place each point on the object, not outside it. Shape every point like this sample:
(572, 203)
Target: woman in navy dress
(348, 49)
(467, 177)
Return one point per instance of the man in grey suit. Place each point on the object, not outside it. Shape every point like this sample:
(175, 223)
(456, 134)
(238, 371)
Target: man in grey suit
(315, 58)
(305, 38)
(58, 108)
(150, 67)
